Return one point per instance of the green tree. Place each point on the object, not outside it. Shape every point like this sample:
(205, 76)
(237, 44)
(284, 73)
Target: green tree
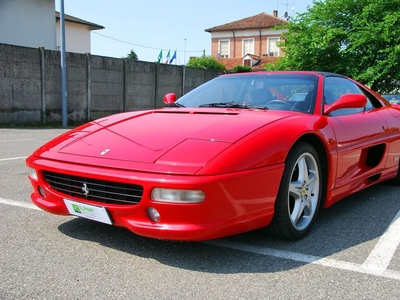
(356, 38)
(207, 62)
(132, 55)
(241, 69)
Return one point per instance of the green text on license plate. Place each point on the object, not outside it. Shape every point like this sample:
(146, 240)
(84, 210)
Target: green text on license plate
(92, 212)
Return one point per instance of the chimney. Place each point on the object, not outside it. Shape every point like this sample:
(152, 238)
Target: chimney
(275, 13)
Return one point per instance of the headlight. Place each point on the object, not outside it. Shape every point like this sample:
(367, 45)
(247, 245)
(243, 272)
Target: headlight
(33, 174)
(177, 196)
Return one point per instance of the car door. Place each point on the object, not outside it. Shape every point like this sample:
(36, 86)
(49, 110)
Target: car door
(360, 134)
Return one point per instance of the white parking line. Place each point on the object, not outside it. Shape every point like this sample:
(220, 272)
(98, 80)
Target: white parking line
(376, 264)
(13, 158)
(305, 258)
(20, 140)
(379, 259)
(18, 203)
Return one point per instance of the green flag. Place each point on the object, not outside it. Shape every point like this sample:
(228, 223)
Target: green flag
(159, 56)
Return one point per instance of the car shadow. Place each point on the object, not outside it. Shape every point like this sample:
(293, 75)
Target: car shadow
(353, 222)
(359, 218)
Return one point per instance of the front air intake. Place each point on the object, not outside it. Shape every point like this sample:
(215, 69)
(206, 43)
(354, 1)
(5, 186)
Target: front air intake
(93, 189)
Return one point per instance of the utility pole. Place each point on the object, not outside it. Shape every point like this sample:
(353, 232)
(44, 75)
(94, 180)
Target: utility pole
(64, 108)
(184, 54)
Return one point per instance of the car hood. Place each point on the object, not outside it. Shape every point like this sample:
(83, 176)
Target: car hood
(166, 140)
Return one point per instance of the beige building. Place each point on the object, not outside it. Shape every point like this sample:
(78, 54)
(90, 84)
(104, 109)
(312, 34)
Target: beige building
(28, 23)
(77, 34)
(34, 23)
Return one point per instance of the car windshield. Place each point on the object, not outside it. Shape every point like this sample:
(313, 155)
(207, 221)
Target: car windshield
(255, 91)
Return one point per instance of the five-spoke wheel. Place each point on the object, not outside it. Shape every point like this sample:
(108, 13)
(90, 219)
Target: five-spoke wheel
(299, 194)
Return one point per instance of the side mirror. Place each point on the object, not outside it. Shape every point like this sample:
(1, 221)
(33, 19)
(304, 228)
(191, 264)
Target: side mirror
(346, 101)
(396, 105)
(170, 98)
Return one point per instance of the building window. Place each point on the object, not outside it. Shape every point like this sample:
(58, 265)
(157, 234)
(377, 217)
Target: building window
(248, 46)
(273, 49)
(223, 49)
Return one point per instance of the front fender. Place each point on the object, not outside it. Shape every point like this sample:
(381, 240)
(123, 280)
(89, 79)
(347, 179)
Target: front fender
(270, 144)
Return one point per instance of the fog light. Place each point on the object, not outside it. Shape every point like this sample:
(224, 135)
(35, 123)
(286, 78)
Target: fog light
(153, 214)
(177, 196)
(41, 191)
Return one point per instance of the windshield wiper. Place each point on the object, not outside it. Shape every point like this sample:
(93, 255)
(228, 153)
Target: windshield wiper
(233, 105)
(175, 104)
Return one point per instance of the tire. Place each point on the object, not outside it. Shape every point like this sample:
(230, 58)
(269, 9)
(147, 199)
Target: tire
(299, 194)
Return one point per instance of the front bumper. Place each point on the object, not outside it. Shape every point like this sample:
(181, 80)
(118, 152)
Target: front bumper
(234, 203)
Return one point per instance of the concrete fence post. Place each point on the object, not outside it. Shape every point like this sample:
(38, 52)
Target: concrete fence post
(42, 86)
(183, 79)
(155, 85)
(88, 88)
(124, 83)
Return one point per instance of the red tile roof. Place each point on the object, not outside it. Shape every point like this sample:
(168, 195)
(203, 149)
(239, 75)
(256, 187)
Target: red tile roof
(262, 20)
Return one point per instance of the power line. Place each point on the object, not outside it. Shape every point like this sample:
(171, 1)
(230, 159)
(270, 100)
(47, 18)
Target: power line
(147, 47)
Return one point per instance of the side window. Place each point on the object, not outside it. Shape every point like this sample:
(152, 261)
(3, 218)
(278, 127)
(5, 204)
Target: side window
(335, 87)
(372, 102)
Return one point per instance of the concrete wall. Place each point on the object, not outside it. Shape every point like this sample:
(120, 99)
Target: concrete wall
(20, 84)
(30, 85)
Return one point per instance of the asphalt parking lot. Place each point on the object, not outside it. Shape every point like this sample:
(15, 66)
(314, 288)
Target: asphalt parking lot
(353, 251)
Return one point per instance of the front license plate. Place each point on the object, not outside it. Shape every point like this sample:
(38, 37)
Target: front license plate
(92, 212)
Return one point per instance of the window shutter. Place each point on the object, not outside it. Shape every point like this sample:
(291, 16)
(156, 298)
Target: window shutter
(224, 49)
(273, 49)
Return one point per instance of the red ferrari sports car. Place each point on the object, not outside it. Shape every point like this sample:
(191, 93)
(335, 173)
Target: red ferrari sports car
(238, 153)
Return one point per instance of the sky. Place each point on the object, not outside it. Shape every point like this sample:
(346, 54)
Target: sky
(149, 26)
